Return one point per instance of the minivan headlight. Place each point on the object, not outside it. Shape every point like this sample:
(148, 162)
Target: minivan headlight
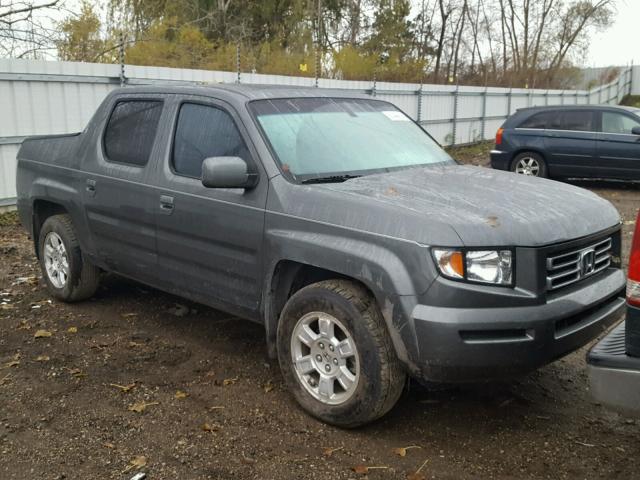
(478, 266)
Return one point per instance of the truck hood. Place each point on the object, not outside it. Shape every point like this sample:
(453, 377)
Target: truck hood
(483, 207)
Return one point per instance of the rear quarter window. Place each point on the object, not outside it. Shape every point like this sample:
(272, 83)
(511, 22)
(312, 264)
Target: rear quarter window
(540, 121)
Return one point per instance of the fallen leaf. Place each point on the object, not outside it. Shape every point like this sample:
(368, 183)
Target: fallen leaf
(140, 407)
(267, 387)
(363, 469)
(180, 394)
(402, 451)
(24, 325)
(417, 475)
(76, 372)
(12, 363)
(109, 445)
(123, 388)
(128, 315)
(207, 427)
(42, 334)
(72, 330)
(137, 462)
(42, 358)
(6, 379)
(327, 452)
(134, 344)
(229, 381)
(216, 408)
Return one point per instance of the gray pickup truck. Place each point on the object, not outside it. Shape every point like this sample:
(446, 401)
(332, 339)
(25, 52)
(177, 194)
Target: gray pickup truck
(335, 221)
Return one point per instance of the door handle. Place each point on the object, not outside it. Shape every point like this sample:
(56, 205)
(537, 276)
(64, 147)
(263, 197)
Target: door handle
(166, 204)
(91, 187)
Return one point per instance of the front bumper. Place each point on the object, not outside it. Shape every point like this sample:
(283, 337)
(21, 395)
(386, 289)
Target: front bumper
(473, 344)
(500, 160)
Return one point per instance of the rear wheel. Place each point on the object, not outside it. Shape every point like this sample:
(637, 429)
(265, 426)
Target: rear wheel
(336, 355)
(69, 276)
(529, 163)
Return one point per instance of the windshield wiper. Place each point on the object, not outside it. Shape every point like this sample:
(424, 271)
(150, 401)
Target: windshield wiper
(330, 179)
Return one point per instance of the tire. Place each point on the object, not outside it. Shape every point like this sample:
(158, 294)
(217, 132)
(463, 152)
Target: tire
(379, 376)
(81, 278)
(530, 162)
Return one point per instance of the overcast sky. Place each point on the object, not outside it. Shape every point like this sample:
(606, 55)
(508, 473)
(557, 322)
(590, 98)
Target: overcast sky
(619, 44)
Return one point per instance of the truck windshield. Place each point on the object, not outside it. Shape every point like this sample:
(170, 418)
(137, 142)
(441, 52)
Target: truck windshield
(337, 139)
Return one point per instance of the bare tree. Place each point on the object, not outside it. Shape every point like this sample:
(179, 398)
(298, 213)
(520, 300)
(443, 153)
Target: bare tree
(24, 33)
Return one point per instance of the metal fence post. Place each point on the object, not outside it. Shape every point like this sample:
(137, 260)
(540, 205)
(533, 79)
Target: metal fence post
(419, 115)
(483, 121)
(509, 101)
(123, 79)
(455, 115)
(373, 88)
(238, 62)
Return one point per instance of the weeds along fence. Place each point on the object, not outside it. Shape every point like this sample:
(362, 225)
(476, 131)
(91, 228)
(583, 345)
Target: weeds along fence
(42, 98)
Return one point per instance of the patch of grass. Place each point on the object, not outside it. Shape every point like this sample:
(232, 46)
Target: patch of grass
(631, 101)
(9, 218)
(476, 154)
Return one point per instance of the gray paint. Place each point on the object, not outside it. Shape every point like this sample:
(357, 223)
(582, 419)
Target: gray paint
(226, 247)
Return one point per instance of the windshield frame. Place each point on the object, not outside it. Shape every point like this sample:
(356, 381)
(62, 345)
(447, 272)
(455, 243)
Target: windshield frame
(300, 179)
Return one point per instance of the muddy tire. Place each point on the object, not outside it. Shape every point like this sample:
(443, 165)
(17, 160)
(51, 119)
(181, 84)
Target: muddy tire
(69, 276)
(336, 355)
(531, 164)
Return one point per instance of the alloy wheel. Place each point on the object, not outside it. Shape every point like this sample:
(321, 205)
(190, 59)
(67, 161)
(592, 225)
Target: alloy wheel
(325, 358)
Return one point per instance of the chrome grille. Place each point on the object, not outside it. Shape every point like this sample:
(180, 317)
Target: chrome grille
(569, 267)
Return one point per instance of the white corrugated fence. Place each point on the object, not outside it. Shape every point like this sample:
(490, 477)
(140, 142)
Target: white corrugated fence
(42, 98)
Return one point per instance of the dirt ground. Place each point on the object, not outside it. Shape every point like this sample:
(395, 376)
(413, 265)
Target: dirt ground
(136, 380)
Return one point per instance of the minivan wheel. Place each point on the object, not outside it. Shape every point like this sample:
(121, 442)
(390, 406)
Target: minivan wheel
(69, 276)
(336, 355)
(529, 163)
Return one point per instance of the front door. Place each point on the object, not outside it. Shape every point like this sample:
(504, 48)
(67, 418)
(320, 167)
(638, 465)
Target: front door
(618, 147)
(210, 240)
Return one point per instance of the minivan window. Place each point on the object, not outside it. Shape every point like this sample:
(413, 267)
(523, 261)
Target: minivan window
(574, 120)
(540, 120)
(204, 131)
(613, 122)
(131, 131)
(322, 137)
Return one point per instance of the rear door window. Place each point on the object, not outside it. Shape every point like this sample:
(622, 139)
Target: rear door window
(575, 120)
(204, 131)
(613, 122)
(131, 131)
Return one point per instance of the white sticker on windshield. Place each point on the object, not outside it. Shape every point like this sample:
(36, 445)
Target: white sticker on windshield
(395, 115)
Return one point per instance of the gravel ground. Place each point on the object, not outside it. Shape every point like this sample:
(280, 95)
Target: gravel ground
(136, 380)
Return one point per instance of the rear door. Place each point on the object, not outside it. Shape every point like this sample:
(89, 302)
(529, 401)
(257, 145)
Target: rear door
(571, 143)
(119, 202)
(210, 239)
(618, 148)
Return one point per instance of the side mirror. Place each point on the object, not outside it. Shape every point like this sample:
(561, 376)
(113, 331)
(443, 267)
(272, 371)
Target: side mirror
(635, 131)
(227, 172)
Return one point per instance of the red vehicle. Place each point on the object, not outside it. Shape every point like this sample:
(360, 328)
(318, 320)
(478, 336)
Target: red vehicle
(614, 363)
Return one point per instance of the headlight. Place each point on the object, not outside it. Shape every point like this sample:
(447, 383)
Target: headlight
(479, 266)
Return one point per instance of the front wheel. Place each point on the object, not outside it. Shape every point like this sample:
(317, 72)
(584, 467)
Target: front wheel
(336, 355)
(529, 163)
